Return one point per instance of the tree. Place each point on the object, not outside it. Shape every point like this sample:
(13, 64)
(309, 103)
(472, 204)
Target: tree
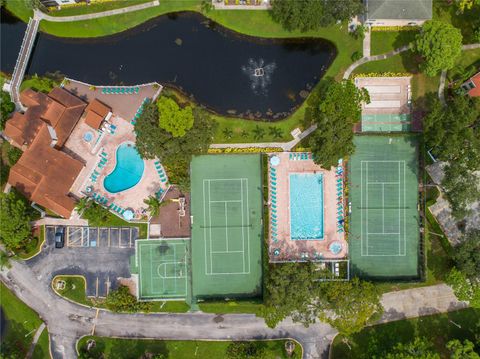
(461, 187)
(459, 350)
(335, 115)
(351, 304)
(466, 4)
(467, 255)
(464, 289)
(245, 350)
(121, 300)
(153, 204)
(6, 108)
(174, 119)
(290, 290)
(227, 133)
(13, 154)
(275, 132)
(95, 214)
(440, 44)
(82, 204)
(419, 348)
(15, 230)
(312, 14)
(258, 132)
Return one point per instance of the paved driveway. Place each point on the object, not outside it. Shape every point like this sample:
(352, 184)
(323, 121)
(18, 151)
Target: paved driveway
(101, 255)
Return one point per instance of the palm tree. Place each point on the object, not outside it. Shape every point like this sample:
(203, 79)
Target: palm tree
(82, 204)
(258, 132)
(275, 132)
(244, 134)
(153, 205)
(227, 132)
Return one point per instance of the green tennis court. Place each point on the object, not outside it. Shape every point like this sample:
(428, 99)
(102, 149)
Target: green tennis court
(386, 123)
(384, 227)
(226, 226)
(162, 268)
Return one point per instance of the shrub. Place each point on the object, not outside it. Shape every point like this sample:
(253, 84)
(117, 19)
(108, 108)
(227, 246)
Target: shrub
(121, 300)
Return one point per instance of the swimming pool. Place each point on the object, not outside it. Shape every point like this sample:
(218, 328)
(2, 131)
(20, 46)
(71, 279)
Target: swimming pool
(306, 206)
(128, 170)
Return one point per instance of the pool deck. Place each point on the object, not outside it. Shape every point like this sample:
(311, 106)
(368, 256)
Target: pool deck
(107, 142)
(284, 249)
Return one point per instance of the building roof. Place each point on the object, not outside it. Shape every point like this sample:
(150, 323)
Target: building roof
(96, 113)
(475, 92)
(45, 175)
(59, 109)
(399, 9)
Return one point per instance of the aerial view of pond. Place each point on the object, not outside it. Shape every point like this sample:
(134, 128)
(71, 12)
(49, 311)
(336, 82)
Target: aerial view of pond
(226, 72)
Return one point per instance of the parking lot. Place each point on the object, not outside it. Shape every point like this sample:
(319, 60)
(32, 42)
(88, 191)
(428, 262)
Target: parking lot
(124, 237)
(101, 255)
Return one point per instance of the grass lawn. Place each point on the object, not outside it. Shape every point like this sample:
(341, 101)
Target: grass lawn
(438, 329)
(233, 306)
(385, 41)
(19, 9)
(135, 348)
(34, 246)
(42, 350)
(114, 221)
(22, 322)
(170, 306)
(94, 7)
(41, 84)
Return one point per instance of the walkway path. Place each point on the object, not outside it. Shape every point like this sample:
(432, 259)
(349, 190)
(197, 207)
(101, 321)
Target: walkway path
(42, 16)
(66, 321)
(285, 146)
(35, 340)
(366, 42)
(50, 221)
(441, 87)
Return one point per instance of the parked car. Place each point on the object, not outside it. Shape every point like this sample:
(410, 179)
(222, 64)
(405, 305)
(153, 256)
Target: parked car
(60, 237)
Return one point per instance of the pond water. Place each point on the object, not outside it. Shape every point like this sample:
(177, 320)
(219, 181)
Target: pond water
(222, 70)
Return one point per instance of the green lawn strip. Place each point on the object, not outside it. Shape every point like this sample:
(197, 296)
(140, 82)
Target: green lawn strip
(117, 23)
(19, 9)
(178, 349)
(35, 245)
(22, 321)
(233, 306)
(42, 348)
(385, 41)
(438, 329)
(115, 221)
(36, 83)
(170, 306)
(83, 8)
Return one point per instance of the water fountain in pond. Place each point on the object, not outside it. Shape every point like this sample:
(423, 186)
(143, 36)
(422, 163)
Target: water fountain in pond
(260, 75)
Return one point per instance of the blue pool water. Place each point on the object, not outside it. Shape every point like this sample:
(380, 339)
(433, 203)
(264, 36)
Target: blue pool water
(306, 206)
(128, 169)
(335, 247)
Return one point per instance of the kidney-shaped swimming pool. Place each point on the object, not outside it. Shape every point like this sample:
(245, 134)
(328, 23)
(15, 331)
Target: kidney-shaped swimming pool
(128, 169)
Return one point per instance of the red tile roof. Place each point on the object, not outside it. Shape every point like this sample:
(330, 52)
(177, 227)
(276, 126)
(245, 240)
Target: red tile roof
(96, 113)
(475, 92)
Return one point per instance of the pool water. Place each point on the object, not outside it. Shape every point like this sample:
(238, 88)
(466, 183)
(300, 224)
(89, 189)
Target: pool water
(306, 206)
(335, 247)
(128, 169)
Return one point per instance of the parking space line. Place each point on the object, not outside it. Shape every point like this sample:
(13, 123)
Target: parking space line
(131, 237)
(96, 289)
(109, 230)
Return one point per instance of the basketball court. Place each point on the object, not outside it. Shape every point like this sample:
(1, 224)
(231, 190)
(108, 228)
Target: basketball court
(384, 230)
(162, 268)
(226, 226)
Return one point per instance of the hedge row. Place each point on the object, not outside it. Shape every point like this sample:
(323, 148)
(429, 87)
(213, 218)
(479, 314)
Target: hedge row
(395, 28)
(244, 150)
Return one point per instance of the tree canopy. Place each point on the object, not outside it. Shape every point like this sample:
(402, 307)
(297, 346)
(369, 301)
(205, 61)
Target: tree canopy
(464, 288)
(419, 348)
(121, 300)
(6, 108)
(174, 119)
(440, 44)
(467, 255)
(335, 115)
(15, 230)
(312, 14)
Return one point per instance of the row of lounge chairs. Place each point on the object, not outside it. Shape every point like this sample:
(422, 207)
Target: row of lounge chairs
(99, 199)
(100, 165)
(273, 208)
(161, 172)
(115, 208)
(139, 111)
(339, 184)
(295, 156)
(120, 90)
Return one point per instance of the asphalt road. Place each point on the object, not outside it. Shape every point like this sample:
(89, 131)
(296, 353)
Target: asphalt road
(66, 321)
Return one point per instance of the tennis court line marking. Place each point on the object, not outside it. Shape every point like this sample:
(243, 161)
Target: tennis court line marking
(242, 203)
(367, 183)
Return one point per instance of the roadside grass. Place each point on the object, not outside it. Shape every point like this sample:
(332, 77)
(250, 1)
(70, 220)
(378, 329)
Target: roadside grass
(179, 349)
(42, 350)
(34, 246)
(75, 290)
(437, 329)
(252, 306)
(83, 8)
(19, 9)
(21, 323)
(385, 41)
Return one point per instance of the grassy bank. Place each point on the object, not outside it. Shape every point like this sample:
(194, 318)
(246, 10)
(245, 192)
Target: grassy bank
(34, 246)
(385, 41)
(437, 329)
(135, 348)
(21, 325)
(233, 306)
(41, 350)
(83, 8)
